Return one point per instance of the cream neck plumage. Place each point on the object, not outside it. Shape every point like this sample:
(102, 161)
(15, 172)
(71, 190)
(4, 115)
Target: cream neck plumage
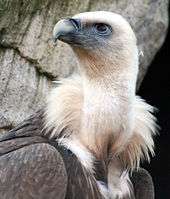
(108, 91)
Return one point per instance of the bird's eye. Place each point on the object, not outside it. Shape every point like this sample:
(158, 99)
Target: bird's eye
(102, 29)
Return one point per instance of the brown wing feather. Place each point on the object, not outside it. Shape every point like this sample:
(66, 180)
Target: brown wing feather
(31, 167)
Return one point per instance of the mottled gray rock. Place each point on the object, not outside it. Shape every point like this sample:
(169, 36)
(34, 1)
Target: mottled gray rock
(29, 61)
(22, 89)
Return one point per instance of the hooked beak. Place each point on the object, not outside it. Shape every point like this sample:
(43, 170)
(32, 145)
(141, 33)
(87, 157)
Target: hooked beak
(65, 29)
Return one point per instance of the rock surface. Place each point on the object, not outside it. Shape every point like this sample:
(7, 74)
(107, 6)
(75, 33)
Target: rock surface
(28, 61)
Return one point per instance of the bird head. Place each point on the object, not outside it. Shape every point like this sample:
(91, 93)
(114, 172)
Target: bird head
(103, 41)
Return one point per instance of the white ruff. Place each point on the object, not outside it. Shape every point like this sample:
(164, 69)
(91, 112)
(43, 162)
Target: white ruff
(84, 156)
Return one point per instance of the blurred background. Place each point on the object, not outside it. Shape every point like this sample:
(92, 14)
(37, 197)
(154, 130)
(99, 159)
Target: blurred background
(155, 88)
(29, 62)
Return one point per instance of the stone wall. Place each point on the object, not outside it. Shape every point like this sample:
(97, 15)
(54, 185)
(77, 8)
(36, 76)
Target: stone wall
(29, 62)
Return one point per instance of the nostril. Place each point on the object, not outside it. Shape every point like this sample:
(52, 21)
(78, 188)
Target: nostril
(76, 23)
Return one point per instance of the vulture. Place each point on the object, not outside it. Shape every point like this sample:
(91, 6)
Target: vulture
(93, 129)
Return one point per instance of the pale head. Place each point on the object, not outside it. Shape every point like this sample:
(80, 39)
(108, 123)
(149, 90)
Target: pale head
(103, 41)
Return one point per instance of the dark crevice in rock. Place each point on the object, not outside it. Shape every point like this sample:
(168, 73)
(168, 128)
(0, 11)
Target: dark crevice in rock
(30, 60)
(6, 128)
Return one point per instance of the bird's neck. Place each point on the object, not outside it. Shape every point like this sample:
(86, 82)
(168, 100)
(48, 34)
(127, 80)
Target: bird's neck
(109, 92)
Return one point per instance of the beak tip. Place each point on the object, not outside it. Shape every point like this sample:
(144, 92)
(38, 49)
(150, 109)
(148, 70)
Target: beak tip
(63, 28)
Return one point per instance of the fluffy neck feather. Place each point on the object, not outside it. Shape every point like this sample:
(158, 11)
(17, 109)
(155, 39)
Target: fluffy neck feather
(109, 91)
(100, 112)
